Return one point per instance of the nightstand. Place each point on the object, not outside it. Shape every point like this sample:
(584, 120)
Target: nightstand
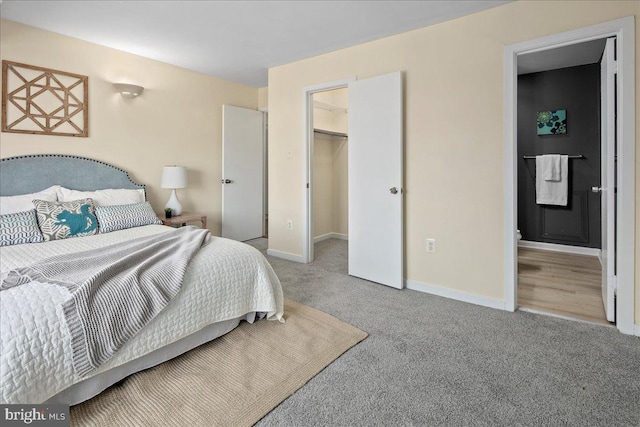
(184, 218)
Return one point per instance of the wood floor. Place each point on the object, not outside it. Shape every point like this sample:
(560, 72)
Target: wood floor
(560, 283)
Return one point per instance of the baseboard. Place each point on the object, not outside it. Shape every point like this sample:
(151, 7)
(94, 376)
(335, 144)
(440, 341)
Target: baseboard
(559, 248)
(330, 236)
(636, 330)
(285, 255)
(456, 295)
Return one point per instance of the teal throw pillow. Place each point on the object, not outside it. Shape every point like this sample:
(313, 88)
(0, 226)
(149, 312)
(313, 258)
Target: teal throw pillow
(61, 220)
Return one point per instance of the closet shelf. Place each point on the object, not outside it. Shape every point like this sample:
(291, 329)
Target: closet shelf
(329, 107)
(331, 133)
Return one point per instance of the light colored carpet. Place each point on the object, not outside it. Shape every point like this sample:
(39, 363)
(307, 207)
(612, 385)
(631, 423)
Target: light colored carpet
(432, 361)
(232, 381)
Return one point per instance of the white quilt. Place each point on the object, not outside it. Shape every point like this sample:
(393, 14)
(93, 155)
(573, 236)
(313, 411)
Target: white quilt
(225, 280)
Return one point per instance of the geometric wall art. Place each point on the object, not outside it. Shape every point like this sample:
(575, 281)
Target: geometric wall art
(552, 122)
(43, 101)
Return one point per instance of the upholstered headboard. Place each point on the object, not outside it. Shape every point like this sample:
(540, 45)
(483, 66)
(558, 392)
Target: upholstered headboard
(30, 174)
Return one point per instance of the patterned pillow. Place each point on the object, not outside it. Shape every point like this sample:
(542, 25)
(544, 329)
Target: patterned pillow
(19, 228)
(60, 220)
(119, 217)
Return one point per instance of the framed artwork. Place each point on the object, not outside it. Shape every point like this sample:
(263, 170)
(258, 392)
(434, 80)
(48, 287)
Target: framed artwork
(43, 101)
(553, 122)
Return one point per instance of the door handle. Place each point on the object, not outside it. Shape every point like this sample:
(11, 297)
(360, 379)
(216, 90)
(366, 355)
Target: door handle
(393, 190)
(226, 181)
(596, 189)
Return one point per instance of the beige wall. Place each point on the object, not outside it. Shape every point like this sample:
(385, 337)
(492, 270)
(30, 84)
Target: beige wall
(177, 120)
(322, 185)
(454, 157)
(263, 98)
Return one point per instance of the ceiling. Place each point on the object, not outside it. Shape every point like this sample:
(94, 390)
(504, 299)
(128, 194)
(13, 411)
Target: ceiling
(567, 56)
(234, 40)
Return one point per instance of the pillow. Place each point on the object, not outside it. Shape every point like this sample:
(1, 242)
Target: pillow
(24, 202)
(108, 197)
(18, 228)
(113, 218)
(60, 220)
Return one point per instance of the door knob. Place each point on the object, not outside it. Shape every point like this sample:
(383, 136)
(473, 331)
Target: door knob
(596, 189)
(393, 190)
(226, 181)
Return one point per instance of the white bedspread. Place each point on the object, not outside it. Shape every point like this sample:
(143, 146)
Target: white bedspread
(225, 280)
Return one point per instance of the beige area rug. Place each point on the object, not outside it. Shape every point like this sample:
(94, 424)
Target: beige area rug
(232, 381)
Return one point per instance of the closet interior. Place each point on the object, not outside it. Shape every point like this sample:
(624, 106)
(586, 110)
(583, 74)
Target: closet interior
(330, 178)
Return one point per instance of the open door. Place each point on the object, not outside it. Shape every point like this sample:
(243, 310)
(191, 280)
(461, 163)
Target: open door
(376, 179)
(608, 183)
(242, 173)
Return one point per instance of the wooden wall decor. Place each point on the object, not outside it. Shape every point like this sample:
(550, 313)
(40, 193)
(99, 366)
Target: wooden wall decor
(43, 101)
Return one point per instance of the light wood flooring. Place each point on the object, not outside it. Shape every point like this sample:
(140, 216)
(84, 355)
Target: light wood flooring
(560, 283)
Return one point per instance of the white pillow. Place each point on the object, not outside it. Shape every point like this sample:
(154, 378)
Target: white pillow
(110, 197)
(24, 202)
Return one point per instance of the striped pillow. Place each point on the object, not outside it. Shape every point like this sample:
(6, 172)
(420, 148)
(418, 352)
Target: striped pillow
(120, 217)
(18, 228)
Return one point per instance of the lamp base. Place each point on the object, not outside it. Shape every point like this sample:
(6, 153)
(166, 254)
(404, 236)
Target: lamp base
(174, 204)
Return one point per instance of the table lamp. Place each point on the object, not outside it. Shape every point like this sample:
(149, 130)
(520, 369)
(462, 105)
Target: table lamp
(174, 177)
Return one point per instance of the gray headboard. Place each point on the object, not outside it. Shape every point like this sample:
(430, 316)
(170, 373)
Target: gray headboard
(30, 174)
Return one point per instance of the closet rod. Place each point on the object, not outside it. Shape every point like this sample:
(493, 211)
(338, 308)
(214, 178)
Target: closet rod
(331, 133)
(579, 156)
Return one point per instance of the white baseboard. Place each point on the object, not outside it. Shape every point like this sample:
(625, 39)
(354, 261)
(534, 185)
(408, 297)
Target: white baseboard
(559, 248)
(636, 330)
(285, 255)
(330, 236)
(456, 295)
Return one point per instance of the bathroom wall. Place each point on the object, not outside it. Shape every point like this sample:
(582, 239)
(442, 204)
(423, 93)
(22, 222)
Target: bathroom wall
(577, 90)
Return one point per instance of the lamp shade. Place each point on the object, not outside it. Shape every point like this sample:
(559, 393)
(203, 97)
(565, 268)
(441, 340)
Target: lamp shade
(174, 177)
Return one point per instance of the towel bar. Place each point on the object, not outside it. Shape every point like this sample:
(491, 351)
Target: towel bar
(579, 156)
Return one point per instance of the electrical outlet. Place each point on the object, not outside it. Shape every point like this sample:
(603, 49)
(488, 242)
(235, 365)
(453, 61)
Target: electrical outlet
(290, 224)
(431, 245)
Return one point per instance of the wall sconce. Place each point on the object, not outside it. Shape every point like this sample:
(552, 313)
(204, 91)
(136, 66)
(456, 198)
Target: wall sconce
(128, 90)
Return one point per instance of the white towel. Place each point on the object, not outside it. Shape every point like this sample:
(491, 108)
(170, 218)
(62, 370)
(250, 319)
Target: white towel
(552, 192)
(548, 166)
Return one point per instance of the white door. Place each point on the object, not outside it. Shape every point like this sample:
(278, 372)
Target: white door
(375, 179)
(242, 173)
(607, 184)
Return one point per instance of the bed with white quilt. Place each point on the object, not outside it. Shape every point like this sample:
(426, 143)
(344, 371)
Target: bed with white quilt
(49, 282)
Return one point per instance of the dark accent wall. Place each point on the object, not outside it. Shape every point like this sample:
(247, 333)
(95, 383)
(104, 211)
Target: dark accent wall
(577, 90)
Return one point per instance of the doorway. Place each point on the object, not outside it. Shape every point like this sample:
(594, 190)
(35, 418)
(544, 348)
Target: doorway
(330, 165)
(559, 220)
(375, 177)
(623, 245)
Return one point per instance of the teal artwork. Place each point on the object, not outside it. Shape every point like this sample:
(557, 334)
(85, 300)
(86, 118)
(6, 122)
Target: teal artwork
(82, 222)
(552, 122)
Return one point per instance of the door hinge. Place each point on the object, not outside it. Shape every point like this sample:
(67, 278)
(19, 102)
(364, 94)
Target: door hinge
(307, 185)
(613, 282)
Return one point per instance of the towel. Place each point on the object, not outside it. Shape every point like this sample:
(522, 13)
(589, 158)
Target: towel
(548, 166)
(552, 192)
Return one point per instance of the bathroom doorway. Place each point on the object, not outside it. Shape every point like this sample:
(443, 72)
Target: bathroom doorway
(559, 217)
(617, 251)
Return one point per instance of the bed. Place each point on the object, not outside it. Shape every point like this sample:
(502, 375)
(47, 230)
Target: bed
(225, 282)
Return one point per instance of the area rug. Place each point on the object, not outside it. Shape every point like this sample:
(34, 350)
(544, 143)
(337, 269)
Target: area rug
(232, 381)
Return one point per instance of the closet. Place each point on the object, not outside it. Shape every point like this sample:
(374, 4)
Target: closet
(330, 184)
